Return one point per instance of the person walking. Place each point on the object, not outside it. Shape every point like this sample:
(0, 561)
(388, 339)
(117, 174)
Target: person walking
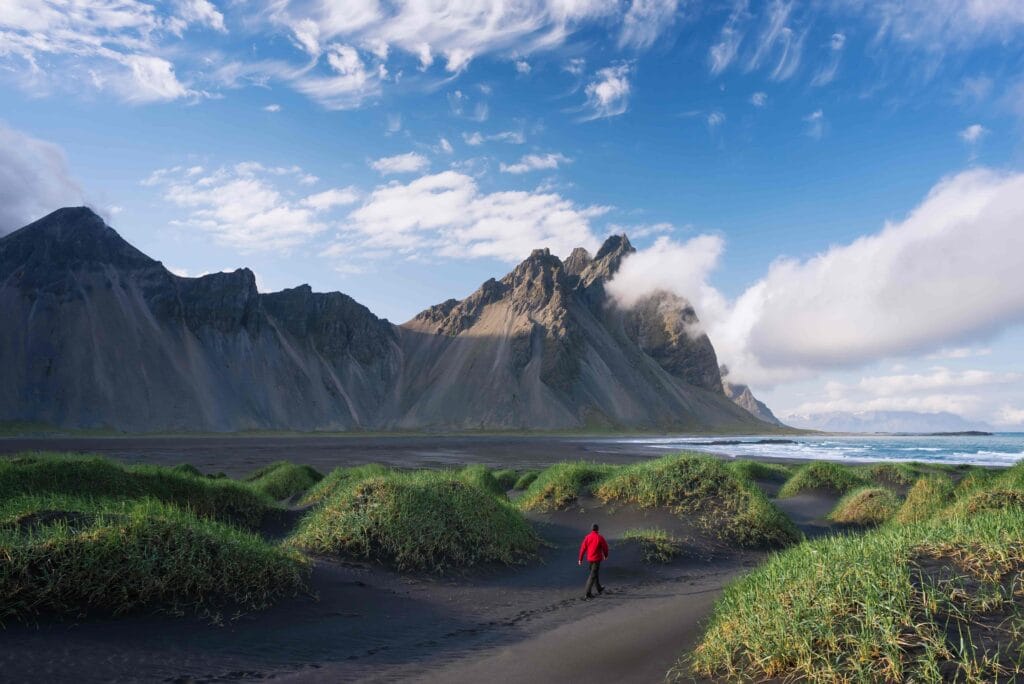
(595, 548)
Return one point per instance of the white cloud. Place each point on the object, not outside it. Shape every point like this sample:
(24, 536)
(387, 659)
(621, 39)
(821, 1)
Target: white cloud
(759, 99)
(827, 73)
(946, 274)
(937, 25)
(477, 138)
(642, 230)
(815, 124)
(973, 133)
(1009, 415)
(722, 53)
(457, 31)
(715, 119)
(328, 199)
(446, 214)
(937, 379)
(779, 42)
(608, 95)
(575, 66)
(645, 21)
(410, 162)
(272, 108)
(445, 146)
(109, 46)
(960, 353)
(535, 162)
(245, 205)
(34, 179)
(348, 84)
(522, 67)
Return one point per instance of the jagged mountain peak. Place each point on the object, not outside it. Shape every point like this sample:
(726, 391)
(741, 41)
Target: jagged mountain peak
(578, 261)
(65, 239)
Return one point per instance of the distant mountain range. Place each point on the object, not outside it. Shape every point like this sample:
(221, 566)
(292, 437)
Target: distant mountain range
(97, 334)
(886, 421)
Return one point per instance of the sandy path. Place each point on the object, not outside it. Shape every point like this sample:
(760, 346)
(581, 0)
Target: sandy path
(637, 640)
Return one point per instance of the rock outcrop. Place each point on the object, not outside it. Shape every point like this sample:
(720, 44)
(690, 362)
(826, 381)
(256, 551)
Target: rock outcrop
(97, 334)
(742, 396)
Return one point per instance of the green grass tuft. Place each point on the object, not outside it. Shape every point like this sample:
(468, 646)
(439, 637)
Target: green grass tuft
(925, 602)
(93, 476)
(525, 480)
(424, 521)
(481, 477)
(68, 556)
(560, 485)
(506, 479)
(866, 506)
(892, 473)
(656, 545)
(727, 504)
(822, 475)
(760, 470)
(929, 495)
(339, 478)
(283, 480)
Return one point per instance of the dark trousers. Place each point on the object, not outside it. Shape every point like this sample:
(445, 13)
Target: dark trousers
(594, 579)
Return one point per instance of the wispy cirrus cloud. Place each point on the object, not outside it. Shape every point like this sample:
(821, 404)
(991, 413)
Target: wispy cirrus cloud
(111, 46)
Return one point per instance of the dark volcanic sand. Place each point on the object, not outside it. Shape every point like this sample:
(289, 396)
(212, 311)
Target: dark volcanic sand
(238, 455)
(520, 624)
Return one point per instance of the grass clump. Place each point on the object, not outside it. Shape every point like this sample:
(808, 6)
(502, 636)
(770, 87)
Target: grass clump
(283, 480)
(422, 521)
(96, 477)
(929, 602)
(760, 470)
(725, 503)
(822, 475)
(866, 506)
(481, 477)
(900, 473)
(559, 486)
(68, 556)
(525, 480)
(929, 495)
(506, 479)
(656, 545)
(339, 478)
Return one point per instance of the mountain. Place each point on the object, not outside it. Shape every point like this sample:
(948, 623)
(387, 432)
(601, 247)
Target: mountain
(886, 421)
(742, 396)
(100, 335)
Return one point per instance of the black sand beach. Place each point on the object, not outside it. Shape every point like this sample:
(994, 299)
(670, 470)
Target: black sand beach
(367, 623)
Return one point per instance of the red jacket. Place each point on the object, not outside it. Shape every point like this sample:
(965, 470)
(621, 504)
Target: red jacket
(595, 547)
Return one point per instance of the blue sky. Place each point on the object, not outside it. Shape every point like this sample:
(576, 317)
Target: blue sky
(405, 152)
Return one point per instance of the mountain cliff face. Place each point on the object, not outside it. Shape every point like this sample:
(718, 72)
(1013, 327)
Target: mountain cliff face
(97, 334)
(742, 396)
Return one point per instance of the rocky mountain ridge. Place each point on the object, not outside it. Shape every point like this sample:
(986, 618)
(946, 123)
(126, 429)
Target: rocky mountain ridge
(101, 335)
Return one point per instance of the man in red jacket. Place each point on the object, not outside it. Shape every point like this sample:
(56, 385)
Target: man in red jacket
(596, 550)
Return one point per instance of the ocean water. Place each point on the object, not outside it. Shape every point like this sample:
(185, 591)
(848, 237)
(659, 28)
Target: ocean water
(1000, 449)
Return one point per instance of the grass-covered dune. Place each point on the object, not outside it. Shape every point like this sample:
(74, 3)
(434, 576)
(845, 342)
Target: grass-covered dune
(818, 475)
(561, 484)
(656, 545)
(423, 521)
(866, 506)
(283, 479)
(728, 504)
(69, 555)
(933, 595)
(96, 477)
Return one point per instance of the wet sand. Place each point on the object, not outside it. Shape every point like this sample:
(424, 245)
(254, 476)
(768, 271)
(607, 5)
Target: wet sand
(367, 623)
